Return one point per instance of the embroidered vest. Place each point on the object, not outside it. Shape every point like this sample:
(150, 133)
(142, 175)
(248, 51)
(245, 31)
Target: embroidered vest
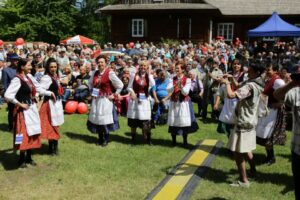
(177, 95)
(103, 83)
(27, 90)
(140, 86)
(55, 88)
(269, 90)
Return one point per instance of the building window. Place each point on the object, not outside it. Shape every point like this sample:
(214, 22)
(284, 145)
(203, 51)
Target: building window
(137, 28)
(226, 30)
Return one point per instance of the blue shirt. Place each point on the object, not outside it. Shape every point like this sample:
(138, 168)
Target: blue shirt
(8, 74)
(161, 88)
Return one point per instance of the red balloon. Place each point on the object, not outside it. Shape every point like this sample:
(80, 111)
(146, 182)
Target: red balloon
(19, 41)
(71, 107)
(1, 42)
(82, 108)
(131, 44)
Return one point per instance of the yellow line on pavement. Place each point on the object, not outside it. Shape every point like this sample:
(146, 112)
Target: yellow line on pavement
(183, 174)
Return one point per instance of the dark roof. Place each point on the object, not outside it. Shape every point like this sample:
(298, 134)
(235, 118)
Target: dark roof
(156, 6)
(256, 7)
(226, 7)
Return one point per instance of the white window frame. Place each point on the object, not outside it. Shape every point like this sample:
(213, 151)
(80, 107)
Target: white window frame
(221, 31)
(139, 32)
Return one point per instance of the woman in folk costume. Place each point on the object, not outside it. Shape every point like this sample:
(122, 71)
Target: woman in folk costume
(27, 126)
(105, 86)
(271, 128)
(139, 108)
(181, 117)
(51, 111)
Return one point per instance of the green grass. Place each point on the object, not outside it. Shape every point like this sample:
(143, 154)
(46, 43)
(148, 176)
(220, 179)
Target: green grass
(120, 171)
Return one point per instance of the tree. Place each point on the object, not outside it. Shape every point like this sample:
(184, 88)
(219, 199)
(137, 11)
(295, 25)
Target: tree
(37, 20)
(93, 25)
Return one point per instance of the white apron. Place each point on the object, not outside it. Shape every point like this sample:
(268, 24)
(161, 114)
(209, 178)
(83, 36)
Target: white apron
(101, 111)
(179, 114)
(32, 120)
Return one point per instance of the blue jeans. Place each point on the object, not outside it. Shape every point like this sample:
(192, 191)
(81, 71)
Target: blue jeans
(81, 95)
(1, 100)
(66, 95)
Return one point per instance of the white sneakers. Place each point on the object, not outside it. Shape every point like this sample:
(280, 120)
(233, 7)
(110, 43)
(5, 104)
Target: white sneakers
(240, 184)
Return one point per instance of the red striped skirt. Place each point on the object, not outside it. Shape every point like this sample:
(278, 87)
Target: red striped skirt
(28, 142)
(49, 132)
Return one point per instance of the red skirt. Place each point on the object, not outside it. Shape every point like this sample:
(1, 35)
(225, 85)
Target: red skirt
(49, 132)
(28, 142)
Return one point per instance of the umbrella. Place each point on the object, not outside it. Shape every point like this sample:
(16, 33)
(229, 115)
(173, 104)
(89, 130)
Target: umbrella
(78, 39)
(114, 53)
(132, 52)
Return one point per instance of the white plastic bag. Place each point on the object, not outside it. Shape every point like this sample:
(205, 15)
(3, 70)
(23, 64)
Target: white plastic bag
(228, 111)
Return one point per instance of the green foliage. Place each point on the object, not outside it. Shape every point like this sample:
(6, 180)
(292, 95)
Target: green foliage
(169, 41)
(93, 25)
(37, 20)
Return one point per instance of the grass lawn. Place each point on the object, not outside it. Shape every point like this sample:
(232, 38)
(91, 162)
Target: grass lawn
(120, 171)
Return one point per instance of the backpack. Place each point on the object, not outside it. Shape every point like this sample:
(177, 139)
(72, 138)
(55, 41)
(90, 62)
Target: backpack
(262, 110)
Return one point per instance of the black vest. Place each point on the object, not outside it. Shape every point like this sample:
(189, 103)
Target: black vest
(24, 95)
(53, 88)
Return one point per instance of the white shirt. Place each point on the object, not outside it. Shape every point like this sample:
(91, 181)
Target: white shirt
(116, 82)
(15, 85)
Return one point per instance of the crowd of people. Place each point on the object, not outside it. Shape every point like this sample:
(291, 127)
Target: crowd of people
(249, 87)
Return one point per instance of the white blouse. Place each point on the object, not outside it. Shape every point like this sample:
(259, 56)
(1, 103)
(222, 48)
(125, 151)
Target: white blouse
(130, 84)
(15, 84)
(184, 90)
(116, 82)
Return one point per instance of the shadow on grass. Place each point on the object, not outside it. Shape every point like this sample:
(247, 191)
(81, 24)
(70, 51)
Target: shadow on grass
(259, 158)
(286, 156)
(126, 139)
(4, 127)
(41, 151)
(220, 176)
(9, 159)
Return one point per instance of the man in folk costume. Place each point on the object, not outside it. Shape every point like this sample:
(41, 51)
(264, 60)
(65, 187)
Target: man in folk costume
(139, 108)
(27, 127)
(181, 117)
(51, 111)
(105, 86)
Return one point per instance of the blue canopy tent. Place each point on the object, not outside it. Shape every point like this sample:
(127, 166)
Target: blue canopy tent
(275, 27)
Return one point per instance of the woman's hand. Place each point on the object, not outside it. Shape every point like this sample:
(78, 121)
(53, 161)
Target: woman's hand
(133, 95)
(111, 97)
(25, 106)
(53, 96)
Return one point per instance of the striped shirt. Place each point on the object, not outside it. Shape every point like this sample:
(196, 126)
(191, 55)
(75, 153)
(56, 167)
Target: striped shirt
(292, 99)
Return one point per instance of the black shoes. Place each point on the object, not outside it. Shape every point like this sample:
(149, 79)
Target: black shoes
(53, 148)
(270, 161)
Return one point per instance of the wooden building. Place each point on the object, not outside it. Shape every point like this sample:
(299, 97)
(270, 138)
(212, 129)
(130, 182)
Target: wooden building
(196, 20)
